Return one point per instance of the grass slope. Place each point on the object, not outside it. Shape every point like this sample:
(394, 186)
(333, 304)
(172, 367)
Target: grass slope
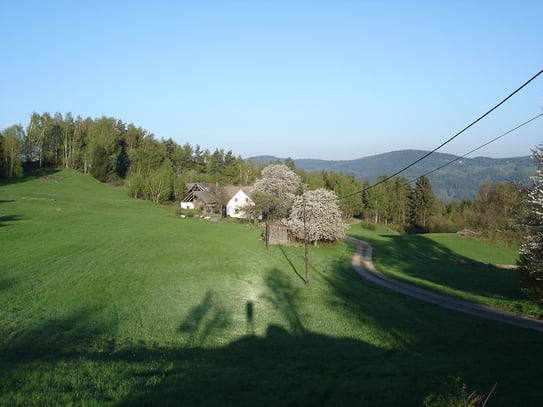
(461, 266)
(106, 300)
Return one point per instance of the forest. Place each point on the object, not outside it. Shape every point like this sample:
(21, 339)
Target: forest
(155, 169)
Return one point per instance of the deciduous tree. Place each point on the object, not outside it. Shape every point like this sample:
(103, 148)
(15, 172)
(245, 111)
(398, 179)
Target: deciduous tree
(531, 252)
(316, 216)
(158, 183)
(12, 147)
(275, 191)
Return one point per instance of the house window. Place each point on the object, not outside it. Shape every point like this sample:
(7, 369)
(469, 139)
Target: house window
(235, 199)
(246, 200)
(236, 211)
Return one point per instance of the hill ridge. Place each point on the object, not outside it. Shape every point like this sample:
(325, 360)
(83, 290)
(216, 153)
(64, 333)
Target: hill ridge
(459, 180)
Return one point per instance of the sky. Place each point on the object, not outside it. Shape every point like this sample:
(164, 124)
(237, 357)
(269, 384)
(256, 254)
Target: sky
(334, 80)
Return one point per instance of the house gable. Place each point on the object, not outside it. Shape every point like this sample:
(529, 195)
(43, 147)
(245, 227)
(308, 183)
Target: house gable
(199, 196)
(238, 200)
(204, 196)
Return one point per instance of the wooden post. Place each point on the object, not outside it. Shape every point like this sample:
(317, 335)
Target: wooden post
(250, 226)
(306, 258)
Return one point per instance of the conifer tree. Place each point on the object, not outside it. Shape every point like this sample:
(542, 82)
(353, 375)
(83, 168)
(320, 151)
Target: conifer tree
(420, 204)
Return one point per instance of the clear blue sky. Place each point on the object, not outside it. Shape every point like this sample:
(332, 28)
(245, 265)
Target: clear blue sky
(306, 79)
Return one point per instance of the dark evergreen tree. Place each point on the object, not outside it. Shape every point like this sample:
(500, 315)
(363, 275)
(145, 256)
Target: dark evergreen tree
(420, 203)
(101, 167)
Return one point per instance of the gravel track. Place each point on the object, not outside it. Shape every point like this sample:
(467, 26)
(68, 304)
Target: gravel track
(363, 265)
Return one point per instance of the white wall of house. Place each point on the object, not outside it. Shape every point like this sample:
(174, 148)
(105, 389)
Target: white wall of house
(239, 200)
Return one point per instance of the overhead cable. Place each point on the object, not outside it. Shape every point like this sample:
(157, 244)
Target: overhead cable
(480, 147)
(387, 178)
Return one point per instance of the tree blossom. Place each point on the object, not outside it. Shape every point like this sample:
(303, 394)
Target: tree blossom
(531, 252)
(323, 220)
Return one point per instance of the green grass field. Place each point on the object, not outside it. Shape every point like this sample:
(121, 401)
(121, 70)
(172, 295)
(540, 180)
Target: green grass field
(106, 300)
(465, 267)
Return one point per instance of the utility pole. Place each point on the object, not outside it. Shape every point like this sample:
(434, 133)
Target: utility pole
(306, 258)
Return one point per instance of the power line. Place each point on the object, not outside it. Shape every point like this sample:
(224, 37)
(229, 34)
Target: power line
(449, 162)
(387, 178)
(480, 147)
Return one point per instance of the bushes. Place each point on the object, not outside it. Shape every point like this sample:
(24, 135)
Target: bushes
(455, 395)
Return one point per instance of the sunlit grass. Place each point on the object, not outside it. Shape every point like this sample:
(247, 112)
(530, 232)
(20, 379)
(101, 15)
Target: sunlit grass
(106, 300)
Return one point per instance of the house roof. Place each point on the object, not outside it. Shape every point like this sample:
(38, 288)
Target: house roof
(205, 196)
(231, 191)
(205, 191)
(199, 186)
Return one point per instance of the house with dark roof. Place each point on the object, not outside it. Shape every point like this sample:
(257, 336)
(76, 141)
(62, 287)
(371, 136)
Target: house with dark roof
(207, 198)
(199, 197)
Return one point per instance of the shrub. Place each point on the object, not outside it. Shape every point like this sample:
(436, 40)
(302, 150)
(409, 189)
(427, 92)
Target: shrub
(455, 395)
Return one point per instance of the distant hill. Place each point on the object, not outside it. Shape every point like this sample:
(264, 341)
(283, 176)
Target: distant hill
(459, 180)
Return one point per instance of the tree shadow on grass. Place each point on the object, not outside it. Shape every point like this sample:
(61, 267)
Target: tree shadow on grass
(283, 296)
(208, 318)
(76, 332)
(286, 366)
(6, 220)
(293, 365)
(290, 365)
(424, 259)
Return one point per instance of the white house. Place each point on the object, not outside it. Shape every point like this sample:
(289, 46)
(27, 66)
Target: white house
(238, 199)
(207, 197)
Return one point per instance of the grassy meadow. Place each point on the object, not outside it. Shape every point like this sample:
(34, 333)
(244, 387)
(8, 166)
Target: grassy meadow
(105, 300)
(465, 267)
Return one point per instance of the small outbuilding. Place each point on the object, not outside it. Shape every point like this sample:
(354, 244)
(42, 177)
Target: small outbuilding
(199, 197)
(276, 233)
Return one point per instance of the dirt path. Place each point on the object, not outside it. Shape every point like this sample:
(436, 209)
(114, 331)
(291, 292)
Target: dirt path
(363, 265)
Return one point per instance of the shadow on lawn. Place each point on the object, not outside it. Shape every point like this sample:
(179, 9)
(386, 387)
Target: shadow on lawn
(6, 220)
(77, 332)
(423, 258)
(295, 366)
(285, 366)
(291, 263)
(205, 319)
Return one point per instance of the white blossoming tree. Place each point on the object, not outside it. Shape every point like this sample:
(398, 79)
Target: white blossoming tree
(274, 192)
(531, 252)
(319, 210)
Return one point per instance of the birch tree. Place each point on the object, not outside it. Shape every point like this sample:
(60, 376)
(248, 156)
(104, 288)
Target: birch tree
(158, 183)
(12, 146)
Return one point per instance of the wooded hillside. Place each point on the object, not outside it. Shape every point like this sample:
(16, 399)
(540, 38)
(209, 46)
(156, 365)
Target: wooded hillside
(460, 180)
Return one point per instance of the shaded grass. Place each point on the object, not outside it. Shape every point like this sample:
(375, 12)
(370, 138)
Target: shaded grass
(456, 265)
(116, 302)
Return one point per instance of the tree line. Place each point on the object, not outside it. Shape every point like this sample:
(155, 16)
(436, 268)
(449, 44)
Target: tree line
(157, 169)
(113, 151)
(411, 206)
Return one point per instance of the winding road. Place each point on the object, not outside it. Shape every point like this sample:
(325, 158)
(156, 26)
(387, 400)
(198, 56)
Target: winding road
(363, 265)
